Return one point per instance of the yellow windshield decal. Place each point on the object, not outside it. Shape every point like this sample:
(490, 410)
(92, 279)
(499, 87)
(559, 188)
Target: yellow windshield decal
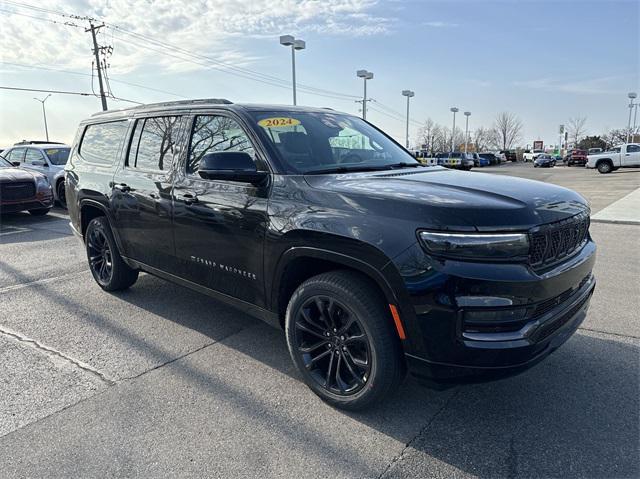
(276, 122)
(52, 152)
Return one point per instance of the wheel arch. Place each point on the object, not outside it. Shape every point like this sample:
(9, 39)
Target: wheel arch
(90, 209)
(299, 263)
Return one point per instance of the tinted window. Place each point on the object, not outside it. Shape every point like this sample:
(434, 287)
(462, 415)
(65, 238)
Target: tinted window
(101, 142)
(58, 156)
(633, 148)
(4, 163)
(33, 155)
(216, 133)
(17, 154)
(153, 145)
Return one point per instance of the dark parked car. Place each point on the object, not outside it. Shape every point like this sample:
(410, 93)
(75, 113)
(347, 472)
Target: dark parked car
(544, 161)
(322, 225)
(509, 155)
(22, 190)
(577, 157)
(491, 158)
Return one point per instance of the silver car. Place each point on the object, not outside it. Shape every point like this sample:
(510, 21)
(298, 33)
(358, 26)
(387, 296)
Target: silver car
(46, 158)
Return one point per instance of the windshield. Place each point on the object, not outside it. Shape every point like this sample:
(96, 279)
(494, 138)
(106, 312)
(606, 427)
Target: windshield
(4, 163)
(58, 156)
(318, 142)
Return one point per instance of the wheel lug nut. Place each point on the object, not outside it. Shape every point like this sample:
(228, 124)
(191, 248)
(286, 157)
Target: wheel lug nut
(344, 348)
(337, 352)
(328, 346)
(335, 330)
(341, 338)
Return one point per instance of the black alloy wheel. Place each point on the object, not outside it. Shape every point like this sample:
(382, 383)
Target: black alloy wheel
(100, 255)
(333, 345)
(106, 265)
(343, 341)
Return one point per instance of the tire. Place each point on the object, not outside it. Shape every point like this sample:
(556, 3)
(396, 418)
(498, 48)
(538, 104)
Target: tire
(605, 167)
(62, 194)
(339, 318)
(40, 212)
(106, 265)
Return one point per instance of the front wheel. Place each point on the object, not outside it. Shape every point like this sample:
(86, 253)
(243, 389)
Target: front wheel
(106, 265)
(605, 167)
(62, 194)
(341, 339)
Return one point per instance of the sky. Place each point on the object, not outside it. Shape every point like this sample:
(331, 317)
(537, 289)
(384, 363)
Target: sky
(544, 61)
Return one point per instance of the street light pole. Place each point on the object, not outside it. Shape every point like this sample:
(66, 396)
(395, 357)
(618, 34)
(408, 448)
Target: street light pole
(632, 95)
(408, 94)
(365, 75)
(454, 110)
(44, 114)
(466, 131)
(290, 41)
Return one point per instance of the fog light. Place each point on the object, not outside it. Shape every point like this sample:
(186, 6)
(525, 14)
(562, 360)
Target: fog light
(495, 315)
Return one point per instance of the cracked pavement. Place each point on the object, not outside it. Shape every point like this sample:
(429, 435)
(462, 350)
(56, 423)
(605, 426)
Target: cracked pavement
(162, 381)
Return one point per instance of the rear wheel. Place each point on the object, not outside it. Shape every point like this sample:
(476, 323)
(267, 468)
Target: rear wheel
(106, 265)
(62, 195)
(341, 339)
(605, 167)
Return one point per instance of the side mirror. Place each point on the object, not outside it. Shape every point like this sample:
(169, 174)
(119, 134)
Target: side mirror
(231, 166)
(15, 163)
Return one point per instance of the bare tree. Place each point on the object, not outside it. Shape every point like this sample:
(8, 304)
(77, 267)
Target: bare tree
(480, 138)
(427, 134)
(506, 131)
(576, 129)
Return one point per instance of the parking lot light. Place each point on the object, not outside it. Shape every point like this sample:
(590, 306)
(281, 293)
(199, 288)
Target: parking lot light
(632, 95)
(295, 44)
(365, 75)
(44, 114)
(466, 131)
(454, 110)
(408, 94)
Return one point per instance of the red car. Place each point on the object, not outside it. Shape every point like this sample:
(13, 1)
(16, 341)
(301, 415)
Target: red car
(22, 190)
(577, 157)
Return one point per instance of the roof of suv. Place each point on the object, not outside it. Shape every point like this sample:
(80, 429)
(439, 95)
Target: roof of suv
(203, 103)
(40, 146)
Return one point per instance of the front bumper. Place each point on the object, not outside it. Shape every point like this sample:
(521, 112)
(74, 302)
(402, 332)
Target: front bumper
(36, 203)
(442, 347)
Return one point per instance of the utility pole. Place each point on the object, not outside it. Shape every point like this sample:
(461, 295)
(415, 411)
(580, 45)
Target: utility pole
(93, 29)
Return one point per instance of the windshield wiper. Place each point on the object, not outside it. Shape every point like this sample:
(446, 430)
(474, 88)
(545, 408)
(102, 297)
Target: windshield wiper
(404, 164)
(348, 169)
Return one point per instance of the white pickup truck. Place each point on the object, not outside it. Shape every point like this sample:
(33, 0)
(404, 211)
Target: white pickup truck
(622, 156)
(530, 155)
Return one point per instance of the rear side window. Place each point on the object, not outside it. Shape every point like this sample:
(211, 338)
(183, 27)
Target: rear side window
(33, 155)
(633, 148)
(154, 142)
(101, 142)
(17, 154)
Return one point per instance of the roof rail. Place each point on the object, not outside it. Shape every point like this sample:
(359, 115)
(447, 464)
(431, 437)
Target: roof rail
(199, 101)
(38, 142)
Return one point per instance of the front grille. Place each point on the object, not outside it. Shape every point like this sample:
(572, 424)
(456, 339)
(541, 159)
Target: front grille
(545, 306)
(557, 241)
(19, 190)
(552, 327)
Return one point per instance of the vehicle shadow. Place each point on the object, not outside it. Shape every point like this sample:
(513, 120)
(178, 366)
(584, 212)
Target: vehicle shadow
(23, 227)
(576, 414)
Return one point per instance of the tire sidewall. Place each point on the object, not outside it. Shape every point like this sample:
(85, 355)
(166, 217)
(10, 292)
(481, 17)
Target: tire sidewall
(297, 300)
(101, 222)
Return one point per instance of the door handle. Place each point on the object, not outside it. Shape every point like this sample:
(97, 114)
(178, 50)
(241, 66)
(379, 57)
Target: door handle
(189, 198)
(121, 186)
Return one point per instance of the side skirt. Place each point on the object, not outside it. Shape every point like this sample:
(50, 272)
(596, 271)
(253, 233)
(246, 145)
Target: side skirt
(265, 315)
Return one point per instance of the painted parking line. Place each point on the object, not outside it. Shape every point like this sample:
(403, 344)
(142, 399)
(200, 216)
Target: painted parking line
(9, 230)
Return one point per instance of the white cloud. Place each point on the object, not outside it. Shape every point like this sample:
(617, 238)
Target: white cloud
(209, 27)
(440, 24)
(606, 85)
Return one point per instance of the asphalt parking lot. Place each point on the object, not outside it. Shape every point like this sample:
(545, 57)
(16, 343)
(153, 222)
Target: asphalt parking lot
(162, 381)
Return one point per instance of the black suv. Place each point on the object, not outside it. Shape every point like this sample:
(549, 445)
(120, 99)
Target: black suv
(322, 225)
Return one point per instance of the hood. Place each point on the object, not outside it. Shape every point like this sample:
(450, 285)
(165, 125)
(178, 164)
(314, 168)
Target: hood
(440, 198)
(8, 175)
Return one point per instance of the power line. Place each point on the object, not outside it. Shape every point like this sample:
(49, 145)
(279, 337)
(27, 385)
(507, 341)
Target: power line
(46, 68)
(63, 92)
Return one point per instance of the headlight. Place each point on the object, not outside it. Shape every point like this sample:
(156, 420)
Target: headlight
(476, 245)
(42, 183)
